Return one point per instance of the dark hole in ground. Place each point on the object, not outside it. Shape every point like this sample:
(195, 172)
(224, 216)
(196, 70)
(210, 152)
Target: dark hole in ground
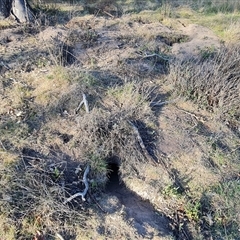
(113, 182)
(141, 213)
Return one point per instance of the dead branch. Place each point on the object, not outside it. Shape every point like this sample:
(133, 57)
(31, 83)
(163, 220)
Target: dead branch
(3, 147)
(85, 102)
(159, 104)
(198, 117)
(109, 14)
(79, 106)
(4, 65)
(155, 55)
(59, 236)
(82, 194)
(141, 143)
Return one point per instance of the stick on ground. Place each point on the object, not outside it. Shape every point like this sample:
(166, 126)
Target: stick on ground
(85, 102)
(141, 143)
(82, 194)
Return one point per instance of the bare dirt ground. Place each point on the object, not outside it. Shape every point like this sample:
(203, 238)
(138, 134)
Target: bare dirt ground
(109, 41)
(111, 51)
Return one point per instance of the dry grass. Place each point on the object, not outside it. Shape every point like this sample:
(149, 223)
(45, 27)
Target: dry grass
(46, 175)
(232, 32)
(34, 200)
(211, 81)
(6, 24)
(220, 23)
(106, 132)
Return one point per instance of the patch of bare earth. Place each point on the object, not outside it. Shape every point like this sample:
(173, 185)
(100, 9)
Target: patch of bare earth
(200, 39)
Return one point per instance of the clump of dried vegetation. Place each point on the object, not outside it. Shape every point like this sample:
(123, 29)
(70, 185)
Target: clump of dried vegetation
(50, 160)
(212, 81)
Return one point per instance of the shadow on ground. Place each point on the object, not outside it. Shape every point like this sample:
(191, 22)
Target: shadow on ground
(145, 220)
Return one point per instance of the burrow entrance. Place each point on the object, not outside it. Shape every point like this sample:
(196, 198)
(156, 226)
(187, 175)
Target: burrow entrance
(145, 220)
(114, 182)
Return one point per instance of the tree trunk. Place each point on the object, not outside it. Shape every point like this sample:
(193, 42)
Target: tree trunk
(5, 8)
(20, 9)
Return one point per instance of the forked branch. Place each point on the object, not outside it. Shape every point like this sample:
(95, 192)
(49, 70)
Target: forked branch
(85, 102)
(84, 192)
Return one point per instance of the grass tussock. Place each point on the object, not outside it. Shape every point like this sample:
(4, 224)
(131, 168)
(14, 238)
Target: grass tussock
(107, 132)
(34, 200)
(224, 207)
(213, 83)
(5, 24)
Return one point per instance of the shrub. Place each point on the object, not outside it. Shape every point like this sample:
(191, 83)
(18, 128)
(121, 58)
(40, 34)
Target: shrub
(213, 82)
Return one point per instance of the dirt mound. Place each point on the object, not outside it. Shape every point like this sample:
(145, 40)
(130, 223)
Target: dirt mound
(201, 39)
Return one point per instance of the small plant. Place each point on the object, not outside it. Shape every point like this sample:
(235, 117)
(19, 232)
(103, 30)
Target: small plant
(166, 9)
(226, 209)
(98, 164)
(88, 38)
(88, 80)
(207, 52)
(56, 173)
(171, 191)
(193, 210)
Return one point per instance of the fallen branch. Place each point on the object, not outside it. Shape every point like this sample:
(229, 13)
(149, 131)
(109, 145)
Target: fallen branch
(156, 55)
(4, 65)
(59, 236)
(109, 14)
(198, 117)
(3, 147)
(79, 106)
(158, 104)
(144, 149)
(85, 102)
(82, 194)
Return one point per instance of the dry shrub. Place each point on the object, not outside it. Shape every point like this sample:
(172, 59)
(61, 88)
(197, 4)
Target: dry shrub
(33, 197)
(106, 7)
(36, 187)
(107, 132)
(213, 82)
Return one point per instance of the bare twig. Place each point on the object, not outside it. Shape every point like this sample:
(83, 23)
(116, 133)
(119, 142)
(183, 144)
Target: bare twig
(159, 104)
(82, 194)
(59, 236)
(79, 106)
(5, 65)
(109, 14)
(3, 147)
(198, 117)
(85, 102)
(155, 55)
(145, 151)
